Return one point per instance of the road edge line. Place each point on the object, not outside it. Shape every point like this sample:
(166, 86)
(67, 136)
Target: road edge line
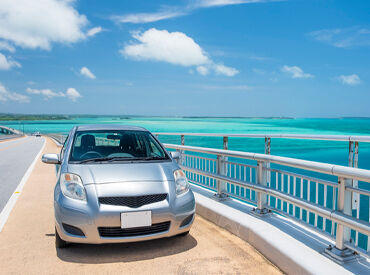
(5, 213)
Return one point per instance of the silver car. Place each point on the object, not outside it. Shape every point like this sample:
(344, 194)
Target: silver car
(118, 184)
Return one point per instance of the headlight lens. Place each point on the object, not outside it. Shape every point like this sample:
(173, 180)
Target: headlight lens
(182, 184)
(71, 185)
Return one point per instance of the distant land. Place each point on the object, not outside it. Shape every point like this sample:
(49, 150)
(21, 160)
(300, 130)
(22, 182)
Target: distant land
(12, 117)
(30, 117)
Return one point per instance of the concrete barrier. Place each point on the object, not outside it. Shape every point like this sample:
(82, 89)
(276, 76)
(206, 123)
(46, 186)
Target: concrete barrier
(290, 246)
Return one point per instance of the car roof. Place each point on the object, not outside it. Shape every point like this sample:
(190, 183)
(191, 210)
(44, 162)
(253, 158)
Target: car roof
(95, 127)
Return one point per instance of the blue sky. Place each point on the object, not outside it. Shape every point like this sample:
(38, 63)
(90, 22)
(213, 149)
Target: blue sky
(193, 57)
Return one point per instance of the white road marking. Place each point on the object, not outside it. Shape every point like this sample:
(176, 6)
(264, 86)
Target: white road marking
(4, 215)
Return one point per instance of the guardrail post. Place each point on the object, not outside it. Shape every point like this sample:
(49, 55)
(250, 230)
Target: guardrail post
(340, 252)
(262, 180)
(267, 164)
(221, 185)
(180, 161)
(225, 159)
(226, 143)
(267, 145)
(353, 162)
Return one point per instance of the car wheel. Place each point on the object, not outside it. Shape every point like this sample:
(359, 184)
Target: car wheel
(184, 234)
(59, 243)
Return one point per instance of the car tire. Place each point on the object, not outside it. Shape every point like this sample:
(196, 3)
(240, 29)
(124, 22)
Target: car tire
(184, 234)
(59, 243)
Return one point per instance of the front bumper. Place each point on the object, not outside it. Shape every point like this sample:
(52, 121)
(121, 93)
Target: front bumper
(90, 216)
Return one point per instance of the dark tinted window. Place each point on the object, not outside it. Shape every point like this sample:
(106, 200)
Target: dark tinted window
(116, 145)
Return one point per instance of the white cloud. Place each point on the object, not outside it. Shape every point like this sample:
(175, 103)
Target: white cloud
(94, 31)
(71, 93)
(173, 47)
(6, 47)
(352, 79)
(176, 11)
(217, 3)
(39, 24)
(295, 72)
(5, 95)
(7, 63)
(203, 70)
(161, 45)
(45, 92)
(343, 38)
(137, 18)
(222, 69)
(87, 73)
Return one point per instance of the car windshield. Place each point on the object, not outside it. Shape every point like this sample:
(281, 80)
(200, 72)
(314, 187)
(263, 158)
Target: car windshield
(115, 145)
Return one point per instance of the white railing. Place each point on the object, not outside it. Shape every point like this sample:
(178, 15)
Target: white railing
(323, 204)
(60, 138)
(353, 140)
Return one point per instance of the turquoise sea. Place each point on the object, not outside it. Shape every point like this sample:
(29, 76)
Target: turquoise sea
(324, 151)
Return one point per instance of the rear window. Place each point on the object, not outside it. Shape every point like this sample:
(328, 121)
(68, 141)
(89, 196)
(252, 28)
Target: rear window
(116, 145)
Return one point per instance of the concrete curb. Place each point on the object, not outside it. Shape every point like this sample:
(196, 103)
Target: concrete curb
(292, 256)
(57, 143)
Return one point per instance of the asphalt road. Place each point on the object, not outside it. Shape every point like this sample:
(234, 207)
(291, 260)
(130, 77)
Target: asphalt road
(15, 158)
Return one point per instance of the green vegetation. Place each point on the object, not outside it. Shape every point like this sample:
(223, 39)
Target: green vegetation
(12, 117)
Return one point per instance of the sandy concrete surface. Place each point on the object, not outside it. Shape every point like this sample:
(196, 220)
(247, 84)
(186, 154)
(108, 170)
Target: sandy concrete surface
(27, 244)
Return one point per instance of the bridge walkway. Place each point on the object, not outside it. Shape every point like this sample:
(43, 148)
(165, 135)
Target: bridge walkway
(27, 243)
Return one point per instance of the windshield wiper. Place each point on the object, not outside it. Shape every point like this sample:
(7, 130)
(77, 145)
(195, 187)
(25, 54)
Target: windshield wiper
(105, 159)
(120, 158)
(154, 158)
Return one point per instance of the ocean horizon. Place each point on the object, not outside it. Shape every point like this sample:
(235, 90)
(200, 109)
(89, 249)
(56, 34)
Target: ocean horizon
(325, 151)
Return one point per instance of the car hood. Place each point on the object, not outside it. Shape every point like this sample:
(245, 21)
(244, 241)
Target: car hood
(123, 172)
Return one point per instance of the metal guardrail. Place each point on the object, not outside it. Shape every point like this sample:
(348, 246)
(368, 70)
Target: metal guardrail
(353, 140)
(60, 138)
(9, 133)
(286, 136)
(325, 205)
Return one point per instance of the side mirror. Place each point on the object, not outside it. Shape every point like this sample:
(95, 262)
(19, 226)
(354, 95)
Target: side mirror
(175, 155)
(51, 158)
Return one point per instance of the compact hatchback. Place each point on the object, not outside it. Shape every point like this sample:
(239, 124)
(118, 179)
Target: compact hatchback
(118, 184)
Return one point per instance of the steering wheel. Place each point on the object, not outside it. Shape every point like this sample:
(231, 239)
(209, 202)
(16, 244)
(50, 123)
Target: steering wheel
(93, 154)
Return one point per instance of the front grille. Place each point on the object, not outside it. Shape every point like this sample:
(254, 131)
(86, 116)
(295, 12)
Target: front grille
(116, 232)
(133, 202)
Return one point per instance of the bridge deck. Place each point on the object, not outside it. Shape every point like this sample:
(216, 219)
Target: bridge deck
(16, 156)
(27, 243)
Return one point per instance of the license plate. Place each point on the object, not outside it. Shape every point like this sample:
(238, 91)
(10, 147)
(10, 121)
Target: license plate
(136, 219)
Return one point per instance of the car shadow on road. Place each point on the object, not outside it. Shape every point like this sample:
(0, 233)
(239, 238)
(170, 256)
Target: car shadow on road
(126, 252)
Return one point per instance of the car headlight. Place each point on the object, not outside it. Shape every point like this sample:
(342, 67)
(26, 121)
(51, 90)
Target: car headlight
(182, 184)
(72, 187)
